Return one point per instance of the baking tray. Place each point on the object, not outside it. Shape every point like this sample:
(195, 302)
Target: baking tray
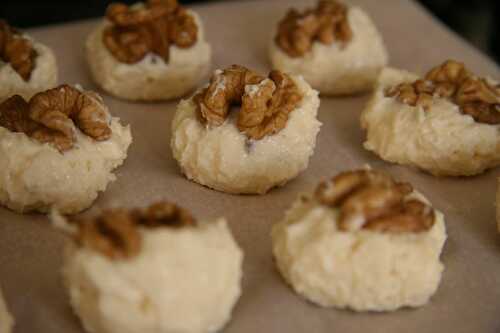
(468, 299)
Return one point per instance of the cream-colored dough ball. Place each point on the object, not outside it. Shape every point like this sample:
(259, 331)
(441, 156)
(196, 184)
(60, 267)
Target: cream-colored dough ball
(183, 279)
(339, 69)
(36, 176)
(223, 158)
(6, 320)
(363, 270)
(150, 79)
(440, 140)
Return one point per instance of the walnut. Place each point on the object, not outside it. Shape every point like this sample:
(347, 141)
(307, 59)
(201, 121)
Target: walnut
(226, 88)
(450, 71)
(483, 112)
(477, 90)
(411, 94)
(17, 50)
(475, 96)
(135, 32)
(14, 115)
(182, 29)
(121, 15)
(115, 233)
(266, 111)
(163, 214)
(326, 23)
(112, 234)
(374, 201)
(50, 116)
(412, 216)
(265, 102)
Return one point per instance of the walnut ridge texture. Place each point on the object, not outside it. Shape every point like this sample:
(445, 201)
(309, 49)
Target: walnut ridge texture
(135, 32)
(265, 102)
(475, 96)
(51, 116)
(371, 200)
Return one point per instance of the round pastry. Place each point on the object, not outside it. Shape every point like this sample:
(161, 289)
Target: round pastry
(337, 49)
(363, 241)
(152, 51)
(6, 320)
(58, 150)
(264, 143)
(26, 67)
(153, 270)
(447, 123)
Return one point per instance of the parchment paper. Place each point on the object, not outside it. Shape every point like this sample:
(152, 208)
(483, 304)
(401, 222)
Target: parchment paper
(468, 299)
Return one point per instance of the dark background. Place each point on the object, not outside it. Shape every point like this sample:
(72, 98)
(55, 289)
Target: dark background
(475, 20)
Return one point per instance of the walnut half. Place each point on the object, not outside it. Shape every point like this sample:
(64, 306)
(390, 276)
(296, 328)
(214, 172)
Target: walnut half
(265, 102)
(17, 50)
(371, 200)
(135, 32)
(475, 96)
(51, 116)
(326, 23)
(115, 233)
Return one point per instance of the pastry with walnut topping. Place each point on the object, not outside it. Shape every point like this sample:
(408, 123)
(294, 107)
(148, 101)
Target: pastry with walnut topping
(246, 133)
(149, 51)
(58, 149)
(335, 47)
(362, 241)
(26, 66)
(152, 270)
(446, 123)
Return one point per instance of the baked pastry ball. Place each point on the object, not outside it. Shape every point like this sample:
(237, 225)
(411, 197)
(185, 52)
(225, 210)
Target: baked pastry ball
(336, 48)
(447, 123)
(149, 51)
(26, 67)
(6, 320)
(58, 150)
(153, 270)
(245, 133)
(362, 241)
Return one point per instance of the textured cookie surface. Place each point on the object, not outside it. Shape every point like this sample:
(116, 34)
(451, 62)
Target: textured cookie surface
(184, 280)
(362, 270)
(150, 79)
(440, 140)
(36, 176)
(336, 70)
(225, 159)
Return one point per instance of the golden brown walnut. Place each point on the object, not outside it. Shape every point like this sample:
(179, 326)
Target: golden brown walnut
(16, 50)
(450, 71)
(135, 32)
(475, 96)
(50, 116)
(326, 24)
(115, 233)
(371, 200)
(182, 29)
(265, 102)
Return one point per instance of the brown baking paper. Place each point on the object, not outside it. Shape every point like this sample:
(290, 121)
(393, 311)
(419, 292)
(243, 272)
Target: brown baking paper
(468, 299)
